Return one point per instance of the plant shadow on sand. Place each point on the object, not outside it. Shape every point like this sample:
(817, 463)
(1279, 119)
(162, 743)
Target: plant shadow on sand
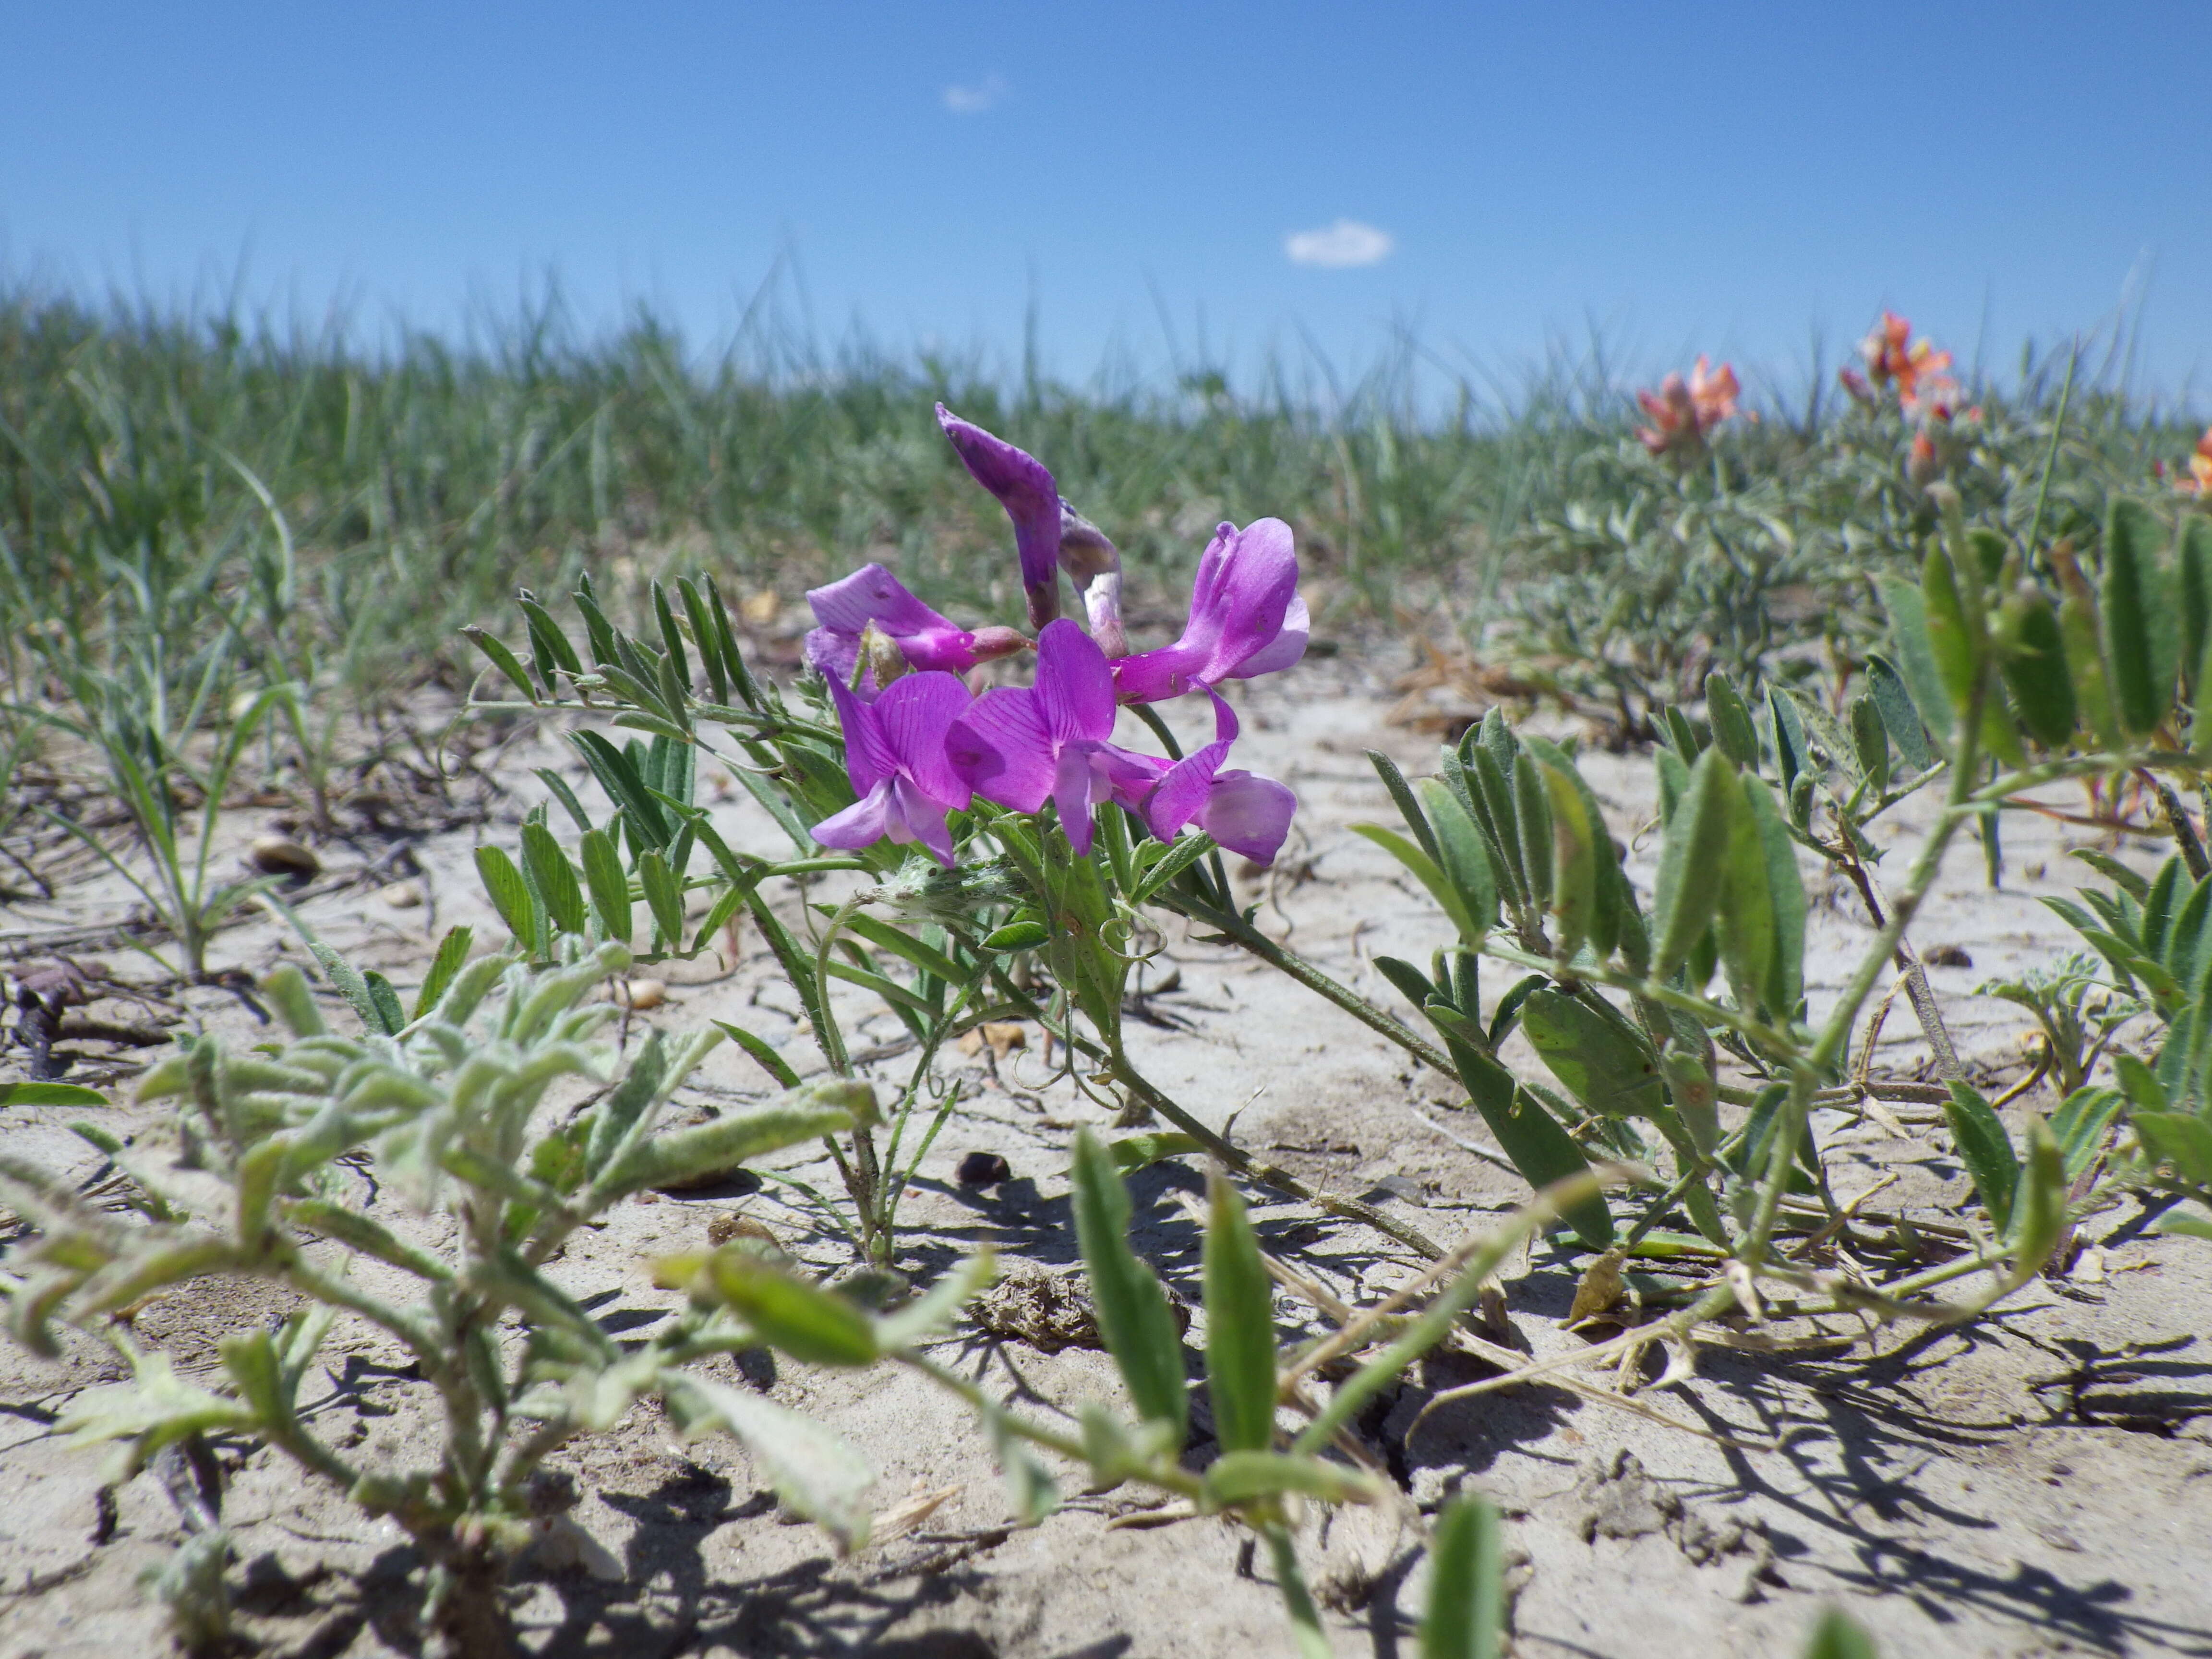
(1862, 1447)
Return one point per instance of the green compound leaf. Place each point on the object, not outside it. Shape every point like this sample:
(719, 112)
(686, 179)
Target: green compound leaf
(1465, 1617)
(1424, 870)
(1133, 1309)
(50, 1094)
(808, 1322)
(1462, 858)
(2142, 626)
(1784, 986)
(552, 878)
(1238, 1477)
(1693, 860)
(1986, 1150)
(1601, 1060)
(1731, 720)
(2034, 667)
(1916, 666)
(510, 895)
(1893, 703)
(1240, 1324)
(452, 951)
(609, 885)
(497, 654)
(2181, 1139)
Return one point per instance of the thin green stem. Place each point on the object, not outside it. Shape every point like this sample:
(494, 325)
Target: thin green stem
(1239, 931)
(1269, 1175)
(1297, 1599)
(1167, 1476)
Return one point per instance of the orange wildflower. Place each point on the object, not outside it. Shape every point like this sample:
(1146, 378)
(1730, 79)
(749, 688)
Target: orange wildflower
(1683, 412)
(2198, 482)
(1713, 393)
(1890, 361)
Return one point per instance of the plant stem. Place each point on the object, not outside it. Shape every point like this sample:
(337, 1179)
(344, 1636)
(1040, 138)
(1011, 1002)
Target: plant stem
(1836, 1034)
(1239, 931)
(1269, 1175)
(1305, 1618)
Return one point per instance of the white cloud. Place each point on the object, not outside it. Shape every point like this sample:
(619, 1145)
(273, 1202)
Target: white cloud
(1342, 244)
(985, 94)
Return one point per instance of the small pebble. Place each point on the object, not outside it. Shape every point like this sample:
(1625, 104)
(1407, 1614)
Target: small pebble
(401, 894)
(723, 1228)
(1002, 1037)
(984, 1170)
(277, 856)
(642, 993)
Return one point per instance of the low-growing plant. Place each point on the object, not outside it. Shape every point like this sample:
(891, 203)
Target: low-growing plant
(1010, 860)
(452, 1110)
(1755, 549)
(272, 1153)
(145, 743)
(1059, 841)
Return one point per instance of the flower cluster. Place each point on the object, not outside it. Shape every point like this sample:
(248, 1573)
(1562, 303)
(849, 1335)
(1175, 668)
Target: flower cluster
(1918, 372)
(918, 744)
(1683, 413)
(1926, 390)
(2197, 479)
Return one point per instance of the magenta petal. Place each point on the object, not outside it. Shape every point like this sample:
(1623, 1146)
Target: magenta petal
(1074, 687)
(999, 748)
(947, 648)
(920, 818)
(1256, 582)
(1026, 490)
(1156, 676)
(872, 594)
(1248, 814)
(1204, 622)
(1102, 604)
(916, 714)
(1226, 727)
(861, 824)
(869, 755)
(1285, 649)
(1246, 617)
(1182, 793)
(1071, 786)
(832, 654)
(1129, 776)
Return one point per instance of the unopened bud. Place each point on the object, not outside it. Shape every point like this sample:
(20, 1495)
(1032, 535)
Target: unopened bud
(879, 655)
(1094, 564)
(998, 641)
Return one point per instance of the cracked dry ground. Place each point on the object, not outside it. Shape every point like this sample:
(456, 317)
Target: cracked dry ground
(2040, 1481)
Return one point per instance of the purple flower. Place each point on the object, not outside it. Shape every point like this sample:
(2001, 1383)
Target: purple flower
(895, 754)
(872, 597)
(1050, 535)
(1242, 811)
(1023, 747)
(1246, 618)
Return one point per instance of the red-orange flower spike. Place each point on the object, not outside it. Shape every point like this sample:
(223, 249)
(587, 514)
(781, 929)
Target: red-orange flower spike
(1890, 361)
(1713, 393)
(1683, 412)
(1883, 349)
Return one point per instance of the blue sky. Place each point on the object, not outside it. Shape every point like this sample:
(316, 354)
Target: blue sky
(1724, 178)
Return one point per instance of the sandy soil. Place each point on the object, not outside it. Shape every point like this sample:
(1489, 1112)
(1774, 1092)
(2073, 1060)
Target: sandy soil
(2038, 1482)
